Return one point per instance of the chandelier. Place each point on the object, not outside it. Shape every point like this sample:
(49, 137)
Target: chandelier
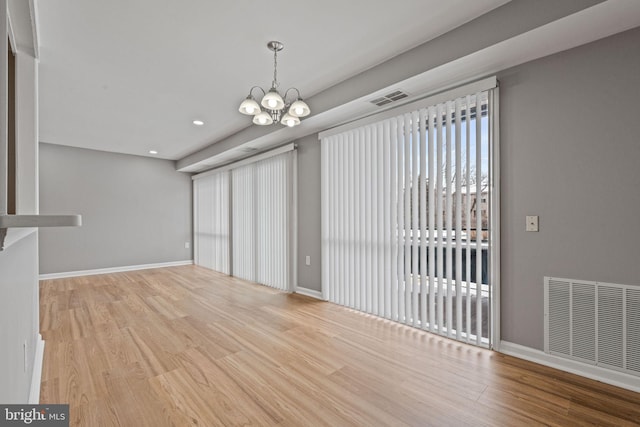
(273, 107)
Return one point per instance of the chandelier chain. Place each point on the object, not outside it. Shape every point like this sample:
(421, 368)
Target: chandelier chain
(275, 69)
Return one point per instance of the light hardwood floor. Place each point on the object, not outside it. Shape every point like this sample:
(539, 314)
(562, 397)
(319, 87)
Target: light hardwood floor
(187, 346)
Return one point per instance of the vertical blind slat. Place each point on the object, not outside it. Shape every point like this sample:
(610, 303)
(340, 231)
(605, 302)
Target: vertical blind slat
(335, 194)
(367, 218)
(478, 218)
(458, 212)
(407, 218)
(388, 277)
(357, 212)
(468, 217)
(350, 277)
(394, 218)
(448, 207)
(343, 241)
(381, 220)
(439, 225)
(400, 228)
(423, 217)
(374, 219)
(363, 224)
(432, 218)
(415, 145)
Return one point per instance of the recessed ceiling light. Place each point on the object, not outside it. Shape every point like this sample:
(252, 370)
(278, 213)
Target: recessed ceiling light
(153, 152)
(198, 122)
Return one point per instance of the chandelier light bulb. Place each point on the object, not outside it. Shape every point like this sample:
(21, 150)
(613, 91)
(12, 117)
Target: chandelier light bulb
(299, 108)
(289, 120)
(262, 118)
(249, 106)
(272, 100)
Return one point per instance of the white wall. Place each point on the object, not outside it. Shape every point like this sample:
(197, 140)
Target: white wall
(18, 318)
(19, 262)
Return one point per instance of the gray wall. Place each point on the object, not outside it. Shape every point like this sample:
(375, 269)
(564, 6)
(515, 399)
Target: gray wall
(570, 153)
(309, 238)
(135, 210)
(18, 317)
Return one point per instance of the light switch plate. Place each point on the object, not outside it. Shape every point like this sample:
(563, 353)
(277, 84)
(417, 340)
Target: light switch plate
(532, 222)
(307, 260)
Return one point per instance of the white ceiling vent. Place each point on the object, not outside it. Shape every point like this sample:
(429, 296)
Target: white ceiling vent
(389, 98)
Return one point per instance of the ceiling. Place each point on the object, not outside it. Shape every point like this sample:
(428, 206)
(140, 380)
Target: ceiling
(131, 76)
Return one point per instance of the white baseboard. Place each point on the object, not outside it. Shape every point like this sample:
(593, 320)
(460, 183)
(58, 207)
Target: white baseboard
(309, 292)
(36, 377)
(113, 270)
(608, 376)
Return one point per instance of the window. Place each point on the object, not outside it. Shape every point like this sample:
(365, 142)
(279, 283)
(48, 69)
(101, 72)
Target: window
(245, 219)
(211, 222)
(403, 236)
(261, 197)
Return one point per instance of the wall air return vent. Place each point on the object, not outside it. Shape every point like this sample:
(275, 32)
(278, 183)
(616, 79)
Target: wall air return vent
(593, 322)
(389, 98)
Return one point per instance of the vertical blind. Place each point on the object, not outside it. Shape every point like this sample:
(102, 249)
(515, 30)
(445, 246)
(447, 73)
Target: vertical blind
(244, 219)
(261, 200)
(406, 218)
(211, 222)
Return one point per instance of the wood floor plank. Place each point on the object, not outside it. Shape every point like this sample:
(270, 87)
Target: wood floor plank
(164, 307)
(277, 394)
(231, 401)
(176, 390)
(185, 346)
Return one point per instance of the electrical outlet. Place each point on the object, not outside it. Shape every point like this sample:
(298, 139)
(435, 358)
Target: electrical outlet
(532, 223)
(187, 245)
(307, 260)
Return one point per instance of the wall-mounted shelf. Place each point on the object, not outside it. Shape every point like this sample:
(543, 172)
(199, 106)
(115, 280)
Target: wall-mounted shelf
(8, 222)
(21, 221)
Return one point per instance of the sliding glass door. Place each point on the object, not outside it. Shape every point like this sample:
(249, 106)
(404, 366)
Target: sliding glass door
(245, 219)
(211, 222)
(261, 201)
(407, 225)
